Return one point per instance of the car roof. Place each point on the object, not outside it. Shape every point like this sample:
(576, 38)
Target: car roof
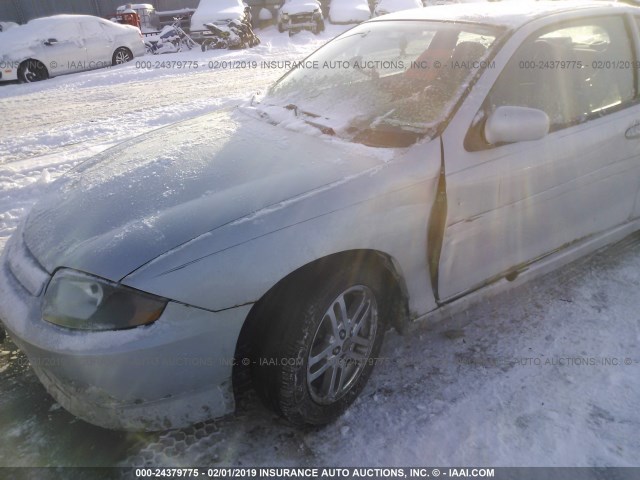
(64, 17)
(508, 14)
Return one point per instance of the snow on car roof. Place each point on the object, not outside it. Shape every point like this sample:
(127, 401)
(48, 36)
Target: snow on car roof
(509, 14)
(56, 18)
(135, 6)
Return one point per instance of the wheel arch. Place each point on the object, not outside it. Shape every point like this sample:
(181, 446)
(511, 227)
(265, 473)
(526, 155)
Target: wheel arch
(33, 59)
(121, 47)
(256, 322)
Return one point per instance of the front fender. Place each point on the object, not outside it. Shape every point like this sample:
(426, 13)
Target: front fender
(384, 209)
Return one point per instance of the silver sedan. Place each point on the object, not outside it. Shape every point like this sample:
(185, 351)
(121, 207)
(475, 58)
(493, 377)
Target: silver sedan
(411, 166)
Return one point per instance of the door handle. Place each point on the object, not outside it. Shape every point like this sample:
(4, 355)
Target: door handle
(633, 131)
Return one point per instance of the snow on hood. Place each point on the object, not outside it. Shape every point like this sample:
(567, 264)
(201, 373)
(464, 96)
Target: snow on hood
(296, 7)
(398, 5)
(349, 11)
(145, 197)
(209, 11)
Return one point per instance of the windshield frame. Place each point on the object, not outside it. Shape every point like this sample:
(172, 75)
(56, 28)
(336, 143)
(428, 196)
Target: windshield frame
(502, 35)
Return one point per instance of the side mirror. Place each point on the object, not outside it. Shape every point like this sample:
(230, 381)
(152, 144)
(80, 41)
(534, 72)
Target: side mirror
(516, 124)
(50, 42)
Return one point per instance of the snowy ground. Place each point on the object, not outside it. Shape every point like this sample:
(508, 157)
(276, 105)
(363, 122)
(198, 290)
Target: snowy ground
(547, 374)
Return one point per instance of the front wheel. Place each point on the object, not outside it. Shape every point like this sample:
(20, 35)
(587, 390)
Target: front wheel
(320, 353)
(32, 71)
(121, 55)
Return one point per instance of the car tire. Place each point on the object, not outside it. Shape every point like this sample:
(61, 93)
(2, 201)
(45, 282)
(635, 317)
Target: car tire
(280, 28)
(32, 71)
(314, 360)
(121, 55)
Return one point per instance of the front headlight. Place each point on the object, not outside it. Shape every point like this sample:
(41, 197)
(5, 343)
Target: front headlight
(77, 300)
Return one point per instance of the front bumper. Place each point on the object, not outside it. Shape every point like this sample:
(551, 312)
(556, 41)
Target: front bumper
(300, 22)
(170, 374)
(8, 70)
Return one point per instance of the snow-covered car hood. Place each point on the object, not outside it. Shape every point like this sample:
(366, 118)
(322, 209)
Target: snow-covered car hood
(145, 197)
(203, 16)
(295, 8)
(351, 11)
(389, 6)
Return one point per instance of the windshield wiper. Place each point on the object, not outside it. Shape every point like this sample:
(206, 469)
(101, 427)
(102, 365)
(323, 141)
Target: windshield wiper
(387, 135)
(323, 128)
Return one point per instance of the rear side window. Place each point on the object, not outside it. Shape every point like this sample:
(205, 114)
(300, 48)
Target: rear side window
(66, 32)
(92, 29)
(573, 72)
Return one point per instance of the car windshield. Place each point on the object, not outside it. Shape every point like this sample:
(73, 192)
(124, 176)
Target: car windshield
(385, 83)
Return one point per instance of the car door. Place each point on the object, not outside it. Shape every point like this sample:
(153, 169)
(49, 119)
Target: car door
(98, 43)
(64, 50)
(509, 204)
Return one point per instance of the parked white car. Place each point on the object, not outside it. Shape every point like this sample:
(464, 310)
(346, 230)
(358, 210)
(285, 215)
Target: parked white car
(52, 46)
(389, 6)
(296, 15)
(349, 11)
(431, 157)
(219, 12)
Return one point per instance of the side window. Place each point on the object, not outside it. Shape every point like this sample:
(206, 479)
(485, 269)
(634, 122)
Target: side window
(92, 29)
(65, 32)
(573, 72)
